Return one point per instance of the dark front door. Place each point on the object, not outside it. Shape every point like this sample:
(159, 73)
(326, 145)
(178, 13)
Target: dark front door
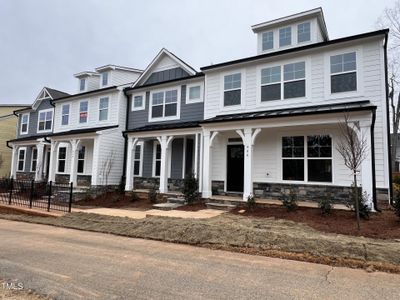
(235, 168)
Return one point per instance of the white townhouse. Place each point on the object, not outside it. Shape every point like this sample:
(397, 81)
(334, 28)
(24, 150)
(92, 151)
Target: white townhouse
(87, 146)
(271, 120)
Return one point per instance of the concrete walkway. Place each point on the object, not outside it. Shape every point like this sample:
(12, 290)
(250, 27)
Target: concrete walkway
(136, 214)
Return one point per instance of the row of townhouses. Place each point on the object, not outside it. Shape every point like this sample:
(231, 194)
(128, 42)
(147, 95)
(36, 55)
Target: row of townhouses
(252, 126)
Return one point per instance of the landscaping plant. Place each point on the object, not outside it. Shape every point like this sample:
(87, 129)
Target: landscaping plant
(190, 188)
(251, 203)
(325, 204)
(356, 195)
(153, 194)
(133, 197)
(290, 200)
(396, 203)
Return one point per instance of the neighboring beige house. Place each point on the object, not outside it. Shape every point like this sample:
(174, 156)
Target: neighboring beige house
(8, 123)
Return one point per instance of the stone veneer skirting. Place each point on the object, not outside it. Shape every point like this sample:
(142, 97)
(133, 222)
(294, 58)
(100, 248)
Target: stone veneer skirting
(82, 180)
(145, 183)
(25, 175)
(62, 178)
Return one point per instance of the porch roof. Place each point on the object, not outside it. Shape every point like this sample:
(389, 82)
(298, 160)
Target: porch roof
(28, 138)
(81, 131)
(296, 111)
(155, 127)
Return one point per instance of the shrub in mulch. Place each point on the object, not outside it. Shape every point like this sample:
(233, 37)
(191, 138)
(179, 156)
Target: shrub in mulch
(290, 200)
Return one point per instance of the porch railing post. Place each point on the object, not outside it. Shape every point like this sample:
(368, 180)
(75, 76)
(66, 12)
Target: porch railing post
(49, 196)
(31, 194)
(11, 190)
(71, 188)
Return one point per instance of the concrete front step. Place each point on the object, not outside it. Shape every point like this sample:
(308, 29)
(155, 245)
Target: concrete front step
(221, 206)
(166, 206)
(181, 201)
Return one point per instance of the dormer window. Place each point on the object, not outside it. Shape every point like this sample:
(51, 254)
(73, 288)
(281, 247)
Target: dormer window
(45, 120)
(82, 84)
(104, 79)
(24, 123)
(267, 40)
(285, 36)
(303, 32)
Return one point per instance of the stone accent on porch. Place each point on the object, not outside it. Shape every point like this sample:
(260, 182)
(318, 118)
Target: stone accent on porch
(62, 178)
(84, 180)
(25, 175)
(218, 187)
(146, 183)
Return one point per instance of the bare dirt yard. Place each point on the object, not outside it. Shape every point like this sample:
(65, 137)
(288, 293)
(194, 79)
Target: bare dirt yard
(263, 236)
(12, 294)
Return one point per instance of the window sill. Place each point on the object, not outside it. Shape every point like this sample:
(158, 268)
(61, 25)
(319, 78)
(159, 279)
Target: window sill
(138, 108)
(162, 119)
(194, 101)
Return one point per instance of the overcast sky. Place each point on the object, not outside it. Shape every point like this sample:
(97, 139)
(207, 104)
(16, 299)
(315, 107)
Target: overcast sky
(45, 42)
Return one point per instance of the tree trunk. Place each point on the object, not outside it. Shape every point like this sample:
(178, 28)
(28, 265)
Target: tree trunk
(395, 121)
(356, 205)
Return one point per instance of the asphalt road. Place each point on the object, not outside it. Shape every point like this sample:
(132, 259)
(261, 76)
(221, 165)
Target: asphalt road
(71, 264)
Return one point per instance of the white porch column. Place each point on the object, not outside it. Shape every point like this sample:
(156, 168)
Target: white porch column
(164, 143)
(39, 162)
(207, 158)
(95, 161)
(248, 137)
(366, 165)
(73, 175)
(53, 161)
(196, 154)
(129, 164)
(14, 159)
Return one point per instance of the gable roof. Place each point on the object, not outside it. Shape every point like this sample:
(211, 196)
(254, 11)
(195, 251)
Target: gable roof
(163, 52)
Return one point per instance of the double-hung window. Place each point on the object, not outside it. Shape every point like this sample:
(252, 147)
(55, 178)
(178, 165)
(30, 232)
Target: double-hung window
(313, 152)
(104, 79)
(285, 36)
(138, 102)
(45, 120)
(81, 159)
(82, 84)
(34, 159)
(267, 40)
(83, 111)
(21, 159)
(137, 166)
(232, 89)
(157, 160)
(164, 104)
(24, 123)
(62, 156)
(294, 80)
(303, 32)
(343, 72)
(271, 84)
(103, 109)
(65, 114)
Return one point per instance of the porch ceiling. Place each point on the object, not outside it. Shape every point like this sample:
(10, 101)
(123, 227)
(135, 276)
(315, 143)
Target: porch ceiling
(298, 111)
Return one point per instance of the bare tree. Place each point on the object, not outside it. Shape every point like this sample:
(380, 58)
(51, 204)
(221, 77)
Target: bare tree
(391, 19)
(353, 149)
(106, 167)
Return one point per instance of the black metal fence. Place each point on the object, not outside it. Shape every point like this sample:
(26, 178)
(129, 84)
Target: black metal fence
(42, 195)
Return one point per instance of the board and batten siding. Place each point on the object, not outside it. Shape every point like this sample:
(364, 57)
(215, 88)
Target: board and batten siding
(33, 120)
(189, 111)
(371, 86)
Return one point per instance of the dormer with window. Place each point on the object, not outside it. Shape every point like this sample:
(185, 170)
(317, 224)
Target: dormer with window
(88, 81)
(111, 75)
(292, 31)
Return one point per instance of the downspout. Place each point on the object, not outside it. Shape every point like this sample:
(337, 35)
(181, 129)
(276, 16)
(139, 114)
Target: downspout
(374, 199)
(8, 145)
(387, 120)
(128, 98)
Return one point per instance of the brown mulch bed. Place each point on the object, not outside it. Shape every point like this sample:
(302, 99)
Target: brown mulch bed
(115, 200)
(384, 225)
(193, 206)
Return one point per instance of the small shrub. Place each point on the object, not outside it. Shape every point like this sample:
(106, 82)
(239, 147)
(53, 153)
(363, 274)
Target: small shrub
(362, 202)
(396, 203)
(290, 200)
(133, 197)
(121, 186)
(251, 202)
(190, 188)
(396, 179)
(325, 204)
(153, 194)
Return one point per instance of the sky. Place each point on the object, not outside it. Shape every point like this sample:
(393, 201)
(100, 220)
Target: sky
(45, 42)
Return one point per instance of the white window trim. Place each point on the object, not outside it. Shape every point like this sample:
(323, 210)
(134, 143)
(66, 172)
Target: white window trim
(200, 99)
(87, 113)
(242, 104)
(305, 158)
(18, 160)
(283, 101)
(58, 160)
(37, 153)
(133, 108)
(52, 119)
(27, 123)
(153, 171)
(141, 144)
(359, 74)
(108, 109)
(178, 103)
(62, 114)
